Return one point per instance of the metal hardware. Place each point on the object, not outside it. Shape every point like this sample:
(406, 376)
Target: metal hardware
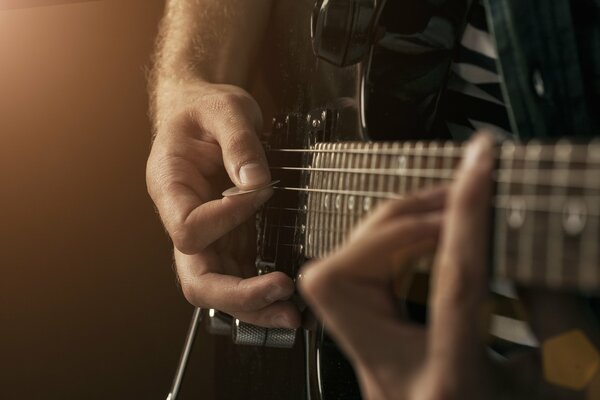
(185, 354)
(538, 83)
(218, 323)
(251, 335)
(342, 30)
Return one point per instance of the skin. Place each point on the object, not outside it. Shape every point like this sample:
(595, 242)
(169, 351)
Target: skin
(351, 292)
(206, 131)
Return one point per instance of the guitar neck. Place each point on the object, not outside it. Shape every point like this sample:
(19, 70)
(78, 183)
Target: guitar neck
(547, 201)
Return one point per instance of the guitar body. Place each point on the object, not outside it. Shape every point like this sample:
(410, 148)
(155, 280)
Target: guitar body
(329, 178)
(292, 80)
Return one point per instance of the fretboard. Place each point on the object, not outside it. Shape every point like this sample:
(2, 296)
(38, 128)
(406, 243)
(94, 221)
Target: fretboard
(547, 201)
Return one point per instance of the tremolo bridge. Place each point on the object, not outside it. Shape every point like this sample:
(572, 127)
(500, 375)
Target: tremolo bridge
(281, 224)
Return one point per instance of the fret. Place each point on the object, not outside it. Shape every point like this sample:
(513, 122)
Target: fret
(431, 159)
(507, 152)
(447, 159)
(416, 182)
(310, 205)
(589, 276)
(527, 233)
(538, 209)
(518, 214)
(554, 271)
(379, 164)
(386, 164)
(347, 183)
(339, 198)
(371, 162)
(397, 163)
(320, 184)
(353, 201)
(574, 218)
(328, 200)
(365, 159)
(405, 165)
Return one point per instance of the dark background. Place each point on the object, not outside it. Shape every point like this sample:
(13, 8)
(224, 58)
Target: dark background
(89, 307)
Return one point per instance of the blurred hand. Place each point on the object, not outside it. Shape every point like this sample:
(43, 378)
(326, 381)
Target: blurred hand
(206, 141)
(351, 292)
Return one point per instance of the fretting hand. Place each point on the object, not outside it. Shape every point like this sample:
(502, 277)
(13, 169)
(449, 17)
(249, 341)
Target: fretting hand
(394, 358)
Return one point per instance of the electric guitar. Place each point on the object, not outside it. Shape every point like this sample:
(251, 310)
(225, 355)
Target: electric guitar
(331, 173)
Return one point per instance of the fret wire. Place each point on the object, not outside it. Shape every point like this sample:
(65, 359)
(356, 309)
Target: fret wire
(335, 181)
(554, 270)
(318, 201)
(310, 221)
(339, 200)
(355, 183)
(328, 221)
(526, 262)
(393, 184)
(415, 181)
(348, 179)
(431, 165)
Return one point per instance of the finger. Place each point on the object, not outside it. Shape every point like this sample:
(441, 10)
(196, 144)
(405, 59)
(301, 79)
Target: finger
(231, 294)
(420, 202)
(459, 276)
(206, 223)
(375, 250)
(191, 216)
(362, 317)
(234, 122)
(281, 314)
(368, 261)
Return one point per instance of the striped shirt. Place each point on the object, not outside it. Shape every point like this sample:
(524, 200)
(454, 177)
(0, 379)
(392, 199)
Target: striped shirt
(473, 99)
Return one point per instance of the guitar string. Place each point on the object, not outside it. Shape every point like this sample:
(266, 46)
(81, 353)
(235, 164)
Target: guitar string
(577, 178)
(530, 202)
(589, 156)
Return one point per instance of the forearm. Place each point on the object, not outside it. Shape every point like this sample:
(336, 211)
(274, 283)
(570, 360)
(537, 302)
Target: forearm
(207, 41)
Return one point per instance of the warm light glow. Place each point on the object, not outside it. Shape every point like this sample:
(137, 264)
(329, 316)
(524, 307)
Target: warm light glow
(14, 4)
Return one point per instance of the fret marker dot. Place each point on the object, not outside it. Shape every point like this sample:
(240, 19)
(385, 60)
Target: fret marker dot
(309, 240)
(574, 216)
(367, 204)
(351, 203)
(326, 201)
(402, 163)
(516, 213)
(338, 201)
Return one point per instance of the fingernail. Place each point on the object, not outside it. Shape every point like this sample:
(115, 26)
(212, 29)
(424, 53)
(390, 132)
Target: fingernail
(253, 174)
(281, 321)
(473, 153)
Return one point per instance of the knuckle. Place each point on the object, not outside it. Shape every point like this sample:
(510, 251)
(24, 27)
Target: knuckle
(238, 143)
(189, 293)
(229, 102)
(184, 240)
(318, 280)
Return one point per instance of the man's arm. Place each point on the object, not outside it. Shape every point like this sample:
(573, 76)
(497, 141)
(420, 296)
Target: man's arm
(206, 41)
(206, 139)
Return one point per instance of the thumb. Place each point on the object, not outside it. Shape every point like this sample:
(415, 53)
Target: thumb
(235, 129)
